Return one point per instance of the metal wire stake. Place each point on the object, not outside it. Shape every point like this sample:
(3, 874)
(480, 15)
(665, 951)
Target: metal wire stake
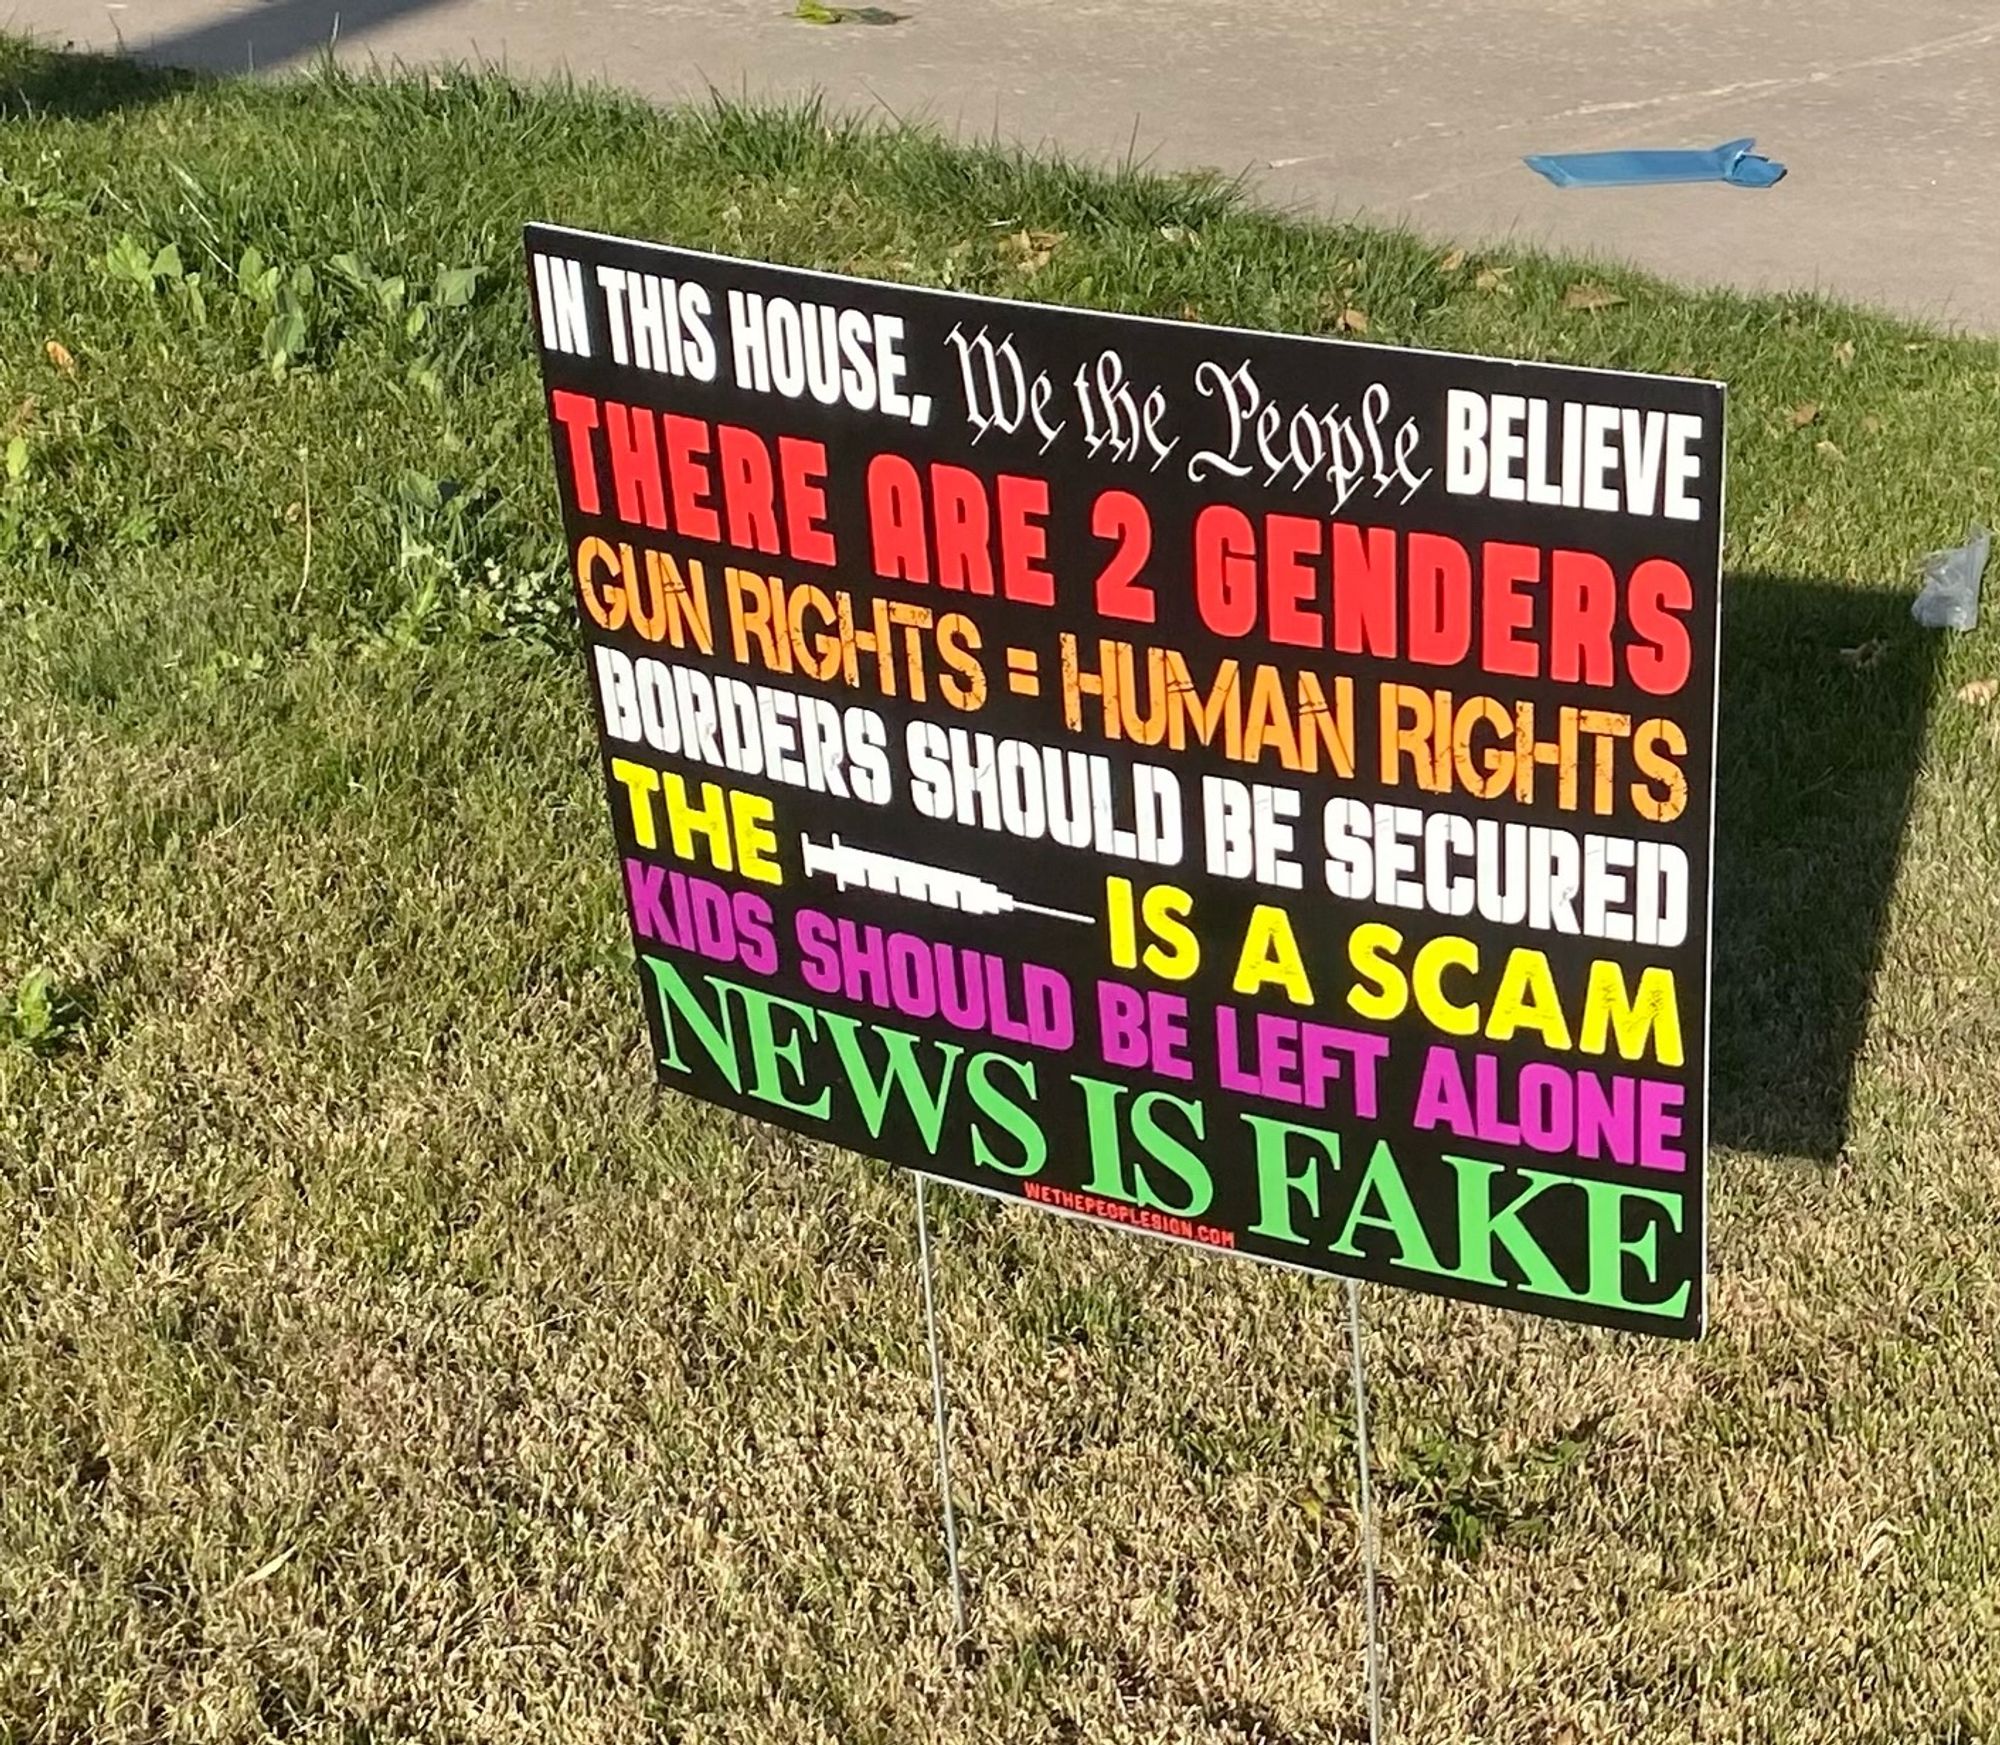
(1368, 1539)
(939, 1413)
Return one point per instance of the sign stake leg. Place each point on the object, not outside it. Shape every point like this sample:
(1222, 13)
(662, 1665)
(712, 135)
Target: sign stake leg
(1369, 1548)
(940, 1415)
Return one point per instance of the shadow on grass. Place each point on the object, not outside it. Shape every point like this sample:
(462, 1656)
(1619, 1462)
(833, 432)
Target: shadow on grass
(38, 79)
(1825, 695)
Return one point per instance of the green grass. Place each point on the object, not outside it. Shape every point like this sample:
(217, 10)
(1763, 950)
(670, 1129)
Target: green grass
(382, 1358)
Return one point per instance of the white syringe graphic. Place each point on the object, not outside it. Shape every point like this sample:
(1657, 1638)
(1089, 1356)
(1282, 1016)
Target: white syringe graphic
(870, 871)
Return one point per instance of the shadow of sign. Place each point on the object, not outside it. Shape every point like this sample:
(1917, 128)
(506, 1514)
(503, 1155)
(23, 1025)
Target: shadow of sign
(1825, 695)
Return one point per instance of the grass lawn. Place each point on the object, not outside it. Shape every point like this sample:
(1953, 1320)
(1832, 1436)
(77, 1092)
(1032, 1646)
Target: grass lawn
(381, 1357)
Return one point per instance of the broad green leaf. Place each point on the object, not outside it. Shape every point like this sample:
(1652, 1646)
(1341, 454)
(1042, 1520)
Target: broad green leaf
(284, 337)
(455, 286)
(128, 259)
(419, 490)
(34, 1013)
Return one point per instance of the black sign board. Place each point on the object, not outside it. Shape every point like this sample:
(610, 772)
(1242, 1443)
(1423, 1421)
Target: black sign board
(1251, 789)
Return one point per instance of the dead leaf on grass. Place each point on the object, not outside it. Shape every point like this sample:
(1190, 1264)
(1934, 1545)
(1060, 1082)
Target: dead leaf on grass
(1351, 321)
(1829, 451)
(1033, 249)
(1584, 295)
(1494, 279)
(1979, 692)
(1453, 261)
(1804, 413)
(59, 355)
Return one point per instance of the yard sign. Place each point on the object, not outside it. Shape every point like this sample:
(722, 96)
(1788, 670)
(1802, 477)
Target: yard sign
(1250, 789)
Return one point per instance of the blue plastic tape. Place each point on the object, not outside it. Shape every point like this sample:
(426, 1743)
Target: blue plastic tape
(1734, 163)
